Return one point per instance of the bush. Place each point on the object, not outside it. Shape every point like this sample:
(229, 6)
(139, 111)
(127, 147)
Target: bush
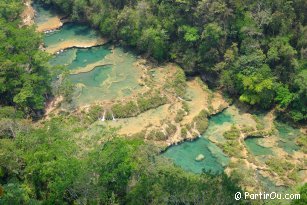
(201, 121)
(155, 101)
(279, 166)
(10, 112)
(156, 135)
(184, 132)
(129, 109)
(171, 129)
(139, 135)
(94, 113)
(232, 134)
(185, 106)
(302, 142)
(247, 129)
(232, 148)
(177, 83)
(179, 116)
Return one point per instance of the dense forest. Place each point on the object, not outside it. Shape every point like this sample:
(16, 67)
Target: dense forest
(254, 50)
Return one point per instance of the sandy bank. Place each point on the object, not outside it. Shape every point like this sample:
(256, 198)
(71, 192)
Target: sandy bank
(51, 24)
(74, 44)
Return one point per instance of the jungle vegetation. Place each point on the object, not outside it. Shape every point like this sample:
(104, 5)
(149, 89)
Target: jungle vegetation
(253, 50)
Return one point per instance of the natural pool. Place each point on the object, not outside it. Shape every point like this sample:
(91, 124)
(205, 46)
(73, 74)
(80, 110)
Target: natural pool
(185, 155)
(98, 72)
(218, 124)
(117, 79)
(71, 35)
(75, 58)
(70, 31)
(253, 145)
(287, 137)
(215, 160)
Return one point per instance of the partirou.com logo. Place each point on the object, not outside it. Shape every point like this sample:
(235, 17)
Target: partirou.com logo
(264, 195)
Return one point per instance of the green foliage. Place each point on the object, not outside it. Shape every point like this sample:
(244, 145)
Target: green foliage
(178, 83)
(156, 135)
(129, 109)
(170, 129)
(154, 41)
(281, 167)
(190, 33)
(16, 194)
(232, 134)
(114, 164)
(258, 87)
(302, 142)
(132, 109)
(10, 9)
(94, 113)
(46, 165)
(150, 102)
(171, 185)
(232, 148)
(179, 116)
(284, 97)
(201, 121)
(24, 77)
(303, 196)
(184, 132)
(10, 112)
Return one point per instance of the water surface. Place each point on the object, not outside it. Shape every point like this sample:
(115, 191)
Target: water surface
(287, 137)
(215, 160)
(185, 153)
(255, 148)
(71, 32)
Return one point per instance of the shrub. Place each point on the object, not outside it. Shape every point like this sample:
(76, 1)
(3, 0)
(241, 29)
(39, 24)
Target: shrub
(201, 121)
(184, 132)
(129, 109)
(156, 135)
(10, 112)
(302, 142)
(185, 106)
(139, 135)
(155, 101)
(177, 83)
(94, 113)
(232, 134)
(279, 166)
(171, 129)
(232, 148)
(179, 116)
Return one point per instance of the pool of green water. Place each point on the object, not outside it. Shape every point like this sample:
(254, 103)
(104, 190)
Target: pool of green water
(287, 137)
(65, 58)
(80, 57)
(185, 153)
(255, 148)
(93, 78)
(215, 160)
(70, 31)
(218, 124)
(104, 82)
